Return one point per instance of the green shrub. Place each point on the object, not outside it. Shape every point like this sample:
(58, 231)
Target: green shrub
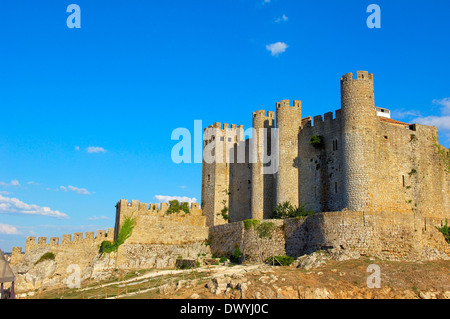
(185, 208)
(174, 207)
(107, 247)
(413, 171)
(280, 260)
(316, 141)
(224, 212)
(445, 230)
(287, 210)
(46, 256)
(265, 230)
(124, 233)
(249, 223)
(223, 259)
(235, 257)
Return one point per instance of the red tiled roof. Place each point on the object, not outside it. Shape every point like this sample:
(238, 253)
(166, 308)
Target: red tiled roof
(391, 121)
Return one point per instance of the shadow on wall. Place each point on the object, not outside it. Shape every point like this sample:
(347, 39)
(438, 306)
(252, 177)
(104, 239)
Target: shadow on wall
(304, 236)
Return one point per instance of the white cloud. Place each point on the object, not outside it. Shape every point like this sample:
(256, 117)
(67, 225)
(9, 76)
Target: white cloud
(181, 199)
(33, 183)
(14, 205)
(442, 122)
(445, 103)
(8, 229)
(276, 48)
(77, 148)
(281, 19)
(95, 149)
(81, 191)
(401, 114)
(14, 182)
(97, 218)
(4, 193)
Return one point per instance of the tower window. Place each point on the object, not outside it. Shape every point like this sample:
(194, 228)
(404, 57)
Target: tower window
(335, 187)
(208, 178)
(403, 180)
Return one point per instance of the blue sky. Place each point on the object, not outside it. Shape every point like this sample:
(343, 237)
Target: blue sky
(87, 114)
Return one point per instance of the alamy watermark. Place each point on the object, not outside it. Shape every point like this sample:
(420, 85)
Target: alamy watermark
(227, 145)
(74, 20)
(374, 20)
(374, 280)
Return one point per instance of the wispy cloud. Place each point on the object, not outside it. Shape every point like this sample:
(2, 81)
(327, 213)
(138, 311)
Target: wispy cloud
(16, 206)
(33, 183)
(276, 48)
(281, 19)
(81, 191)
(442, 121)
(181, 199)
(8, 229)
(95, 149)
(97, 218)
(402, 114)
(14, 182)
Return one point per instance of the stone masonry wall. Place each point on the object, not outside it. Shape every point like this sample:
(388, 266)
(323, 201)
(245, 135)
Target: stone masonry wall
(387, 235)
(159, 238)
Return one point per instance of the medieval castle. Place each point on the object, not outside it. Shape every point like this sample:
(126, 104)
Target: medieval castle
(377, 186)
(365, 162)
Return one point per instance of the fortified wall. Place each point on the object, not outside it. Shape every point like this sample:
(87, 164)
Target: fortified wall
(158, 238)
(386, 235)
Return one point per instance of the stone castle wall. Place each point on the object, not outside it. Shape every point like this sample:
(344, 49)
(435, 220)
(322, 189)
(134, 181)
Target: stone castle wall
(159, 238)
(387, 235)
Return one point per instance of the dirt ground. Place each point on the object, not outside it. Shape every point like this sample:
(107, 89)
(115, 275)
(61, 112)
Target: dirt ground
(334, 280)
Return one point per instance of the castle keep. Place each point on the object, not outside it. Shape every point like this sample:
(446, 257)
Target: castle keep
(365, 162)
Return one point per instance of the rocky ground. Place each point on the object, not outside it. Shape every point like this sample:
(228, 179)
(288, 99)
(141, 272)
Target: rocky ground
(321, 275)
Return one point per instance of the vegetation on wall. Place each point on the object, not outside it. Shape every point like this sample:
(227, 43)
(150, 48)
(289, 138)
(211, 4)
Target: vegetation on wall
(445, 155)
(46, 256)
(445, 230)
(125, 232)
(287, 210)
(249, 223)
(176, 207)
(280, 260)
(317, 141)
(265, 230)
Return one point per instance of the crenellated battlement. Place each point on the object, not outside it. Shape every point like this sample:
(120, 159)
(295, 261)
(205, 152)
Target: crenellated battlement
(360, 75)
(264, 114)
(78, 239)
(326, 119)
(286, 103)
(158, 208)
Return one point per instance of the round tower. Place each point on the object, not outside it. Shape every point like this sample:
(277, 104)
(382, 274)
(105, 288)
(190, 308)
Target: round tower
(359, 126)
(289, 120)
(262, 183)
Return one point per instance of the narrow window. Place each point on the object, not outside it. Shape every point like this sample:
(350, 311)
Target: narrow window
(335, 187)
(403, 180)
(208, 178)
